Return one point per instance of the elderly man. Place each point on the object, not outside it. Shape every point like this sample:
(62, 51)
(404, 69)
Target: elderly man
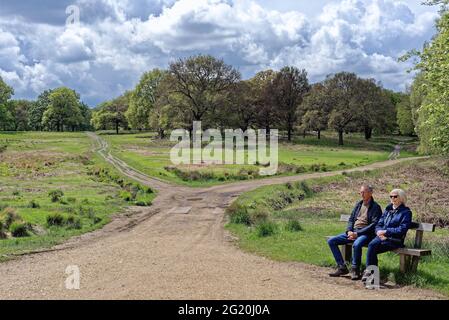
(391, 229)
(360, 232)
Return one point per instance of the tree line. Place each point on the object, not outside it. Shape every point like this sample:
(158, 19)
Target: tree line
(54, 110)
(204, 88)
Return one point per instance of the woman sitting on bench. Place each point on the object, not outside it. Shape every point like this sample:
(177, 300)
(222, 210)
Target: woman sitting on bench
(390, 230)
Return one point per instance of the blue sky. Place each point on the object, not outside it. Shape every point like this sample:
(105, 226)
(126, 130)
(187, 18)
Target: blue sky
(116, 41)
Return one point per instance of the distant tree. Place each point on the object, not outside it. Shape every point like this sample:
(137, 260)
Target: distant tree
(315, 110)
(86, 117)
(287, 91)
(342, 91)
(5, 94)
(112, 113)
(267, 116)
(199, 82)
(405, 118)
(37, 109)
(143, 99)
(18, 113)
(63, 110)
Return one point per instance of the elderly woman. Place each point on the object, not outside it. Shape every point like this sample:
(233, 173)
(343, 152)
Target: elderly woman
(391, 229)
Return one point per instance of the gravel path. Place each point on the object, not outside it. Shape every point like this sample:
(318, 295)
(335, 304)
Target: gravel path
(156, 253)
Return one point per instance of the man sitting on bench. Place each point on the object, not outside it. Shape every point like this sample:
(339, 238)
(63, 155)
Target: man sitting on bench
(360, 232)
(391, 229)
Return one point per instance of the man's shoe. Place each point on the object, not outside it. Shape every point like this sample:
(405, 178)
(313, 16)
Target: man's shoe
(355, 273)
(341, 271)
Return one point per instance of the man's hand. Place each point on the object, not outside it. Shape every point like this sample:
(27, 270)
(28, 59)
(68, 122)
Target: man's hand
(352, 235)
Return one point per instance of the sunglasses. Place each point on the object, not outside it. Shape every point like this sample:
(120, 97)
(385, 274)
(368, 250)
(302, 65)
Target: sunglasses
(394, 197)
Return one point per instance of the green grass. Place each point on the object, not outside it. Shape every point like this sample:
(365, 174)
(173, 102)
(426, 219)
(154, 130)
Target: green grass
(151, 156)
(36, 163)
(318, 214)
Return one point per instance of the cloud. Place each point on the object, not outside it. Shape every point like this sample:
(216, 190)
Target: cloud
(118, 40)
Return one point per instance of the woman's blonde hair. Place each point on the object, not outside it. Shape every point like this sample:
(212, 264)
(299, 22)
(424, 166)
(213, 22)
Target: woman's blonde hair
(402, 195)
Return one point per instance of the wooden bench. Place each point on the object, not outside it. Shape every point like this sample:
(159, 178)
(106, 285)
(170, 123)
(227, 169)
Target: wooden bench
(408, 257)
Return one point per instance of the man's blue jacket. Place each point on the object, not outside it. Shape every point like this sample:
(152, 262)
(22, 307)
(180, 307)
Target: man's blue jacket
(374, 214)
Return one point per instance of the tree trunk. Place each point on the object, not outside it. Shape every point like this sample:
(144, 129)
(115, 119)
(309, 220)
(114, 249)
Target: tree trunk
(116, 127)
(289, 135)
(368, 133)
(340, 137)
(319, 134)
(304, 134)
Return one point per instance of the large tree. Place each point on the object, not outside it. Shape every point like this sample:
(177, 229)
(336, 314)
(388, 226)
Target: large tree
(342, 91)
(63, 110)
(37, 110)
(18, 111)
(5, 94)
(199, 82)
(266, 112)
(287, 91)
(111, 114)
(144, 98)
(315, 110)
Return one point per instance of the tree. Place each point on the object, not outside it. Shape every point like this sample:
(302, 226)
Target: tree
(5, 94)
(143, 99)
(18, 114)
(266, 113)
(287, 91)
(63, 110)
(405, 118)
(199, 81)
(112, 113)
(315, 110)
(342, 93)
(37, 110)
(433, 123)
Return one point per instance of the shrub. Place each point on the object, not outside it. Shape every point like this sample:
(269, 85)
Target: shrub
(16, 193)
(305, 187)
(238, 214)
(259, 214)
(71, 200)
(126, 195)
(266, 229)
(19, 229)
(55, 219)
(33, 204)
(55, 195)
(73, 222)
(293, 226)
(8, 216)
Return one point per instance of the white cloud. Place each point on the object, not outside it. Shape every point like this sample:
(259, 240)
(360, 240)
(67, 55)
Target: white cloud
(119, 40)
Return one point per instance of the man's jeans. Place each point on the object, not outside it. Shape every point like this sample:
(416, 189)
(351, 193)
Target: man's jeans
(357, 248)
(377, 246)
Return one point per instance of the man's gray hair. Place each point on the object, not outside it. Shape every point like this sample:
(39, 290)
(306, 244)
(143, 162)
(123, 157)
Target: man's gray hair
(368, 187)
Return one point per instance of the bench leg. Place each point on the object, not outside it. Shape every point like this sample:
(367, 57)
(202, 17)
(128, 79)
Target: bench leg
(414, 265)
(404, 263)
(346, 251)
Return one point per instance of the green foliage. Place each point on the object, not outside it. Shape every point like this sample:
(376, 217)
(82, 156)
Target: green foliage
(238, 214)
(73, 222)
(405, 118)
(63, 110)
(56, 195)
(19, 229)
(55, 219)
(111, 114)
(8, 216)
(266, 229)
(33, 204)
(293, 226)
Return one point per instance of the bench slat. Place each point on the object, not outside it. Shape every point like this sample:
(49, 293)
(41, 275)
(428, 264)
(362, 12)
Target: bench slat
(413, 252)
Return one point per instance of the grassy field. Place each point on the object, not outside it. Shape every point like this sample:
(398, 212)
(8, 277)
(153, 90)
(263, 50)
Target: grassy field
(84, 189)
(151, 156)
(289, 222)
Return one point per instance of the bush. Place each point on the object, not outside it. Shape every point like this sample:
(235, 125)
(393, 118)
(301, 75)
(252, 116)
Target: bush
(55, 195)
(19, 229)
(55, 219)
(73, 222)
(238, 214)
(259, 214)
(33, 204)
(16, 193)
(126, 195)
(71, 200)
(8, 216)
(293, 226)
(266, 229)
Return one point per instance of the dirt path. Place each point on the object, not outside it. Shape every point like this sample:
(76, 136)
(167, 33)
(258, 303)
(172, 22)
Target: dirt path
(156, 253)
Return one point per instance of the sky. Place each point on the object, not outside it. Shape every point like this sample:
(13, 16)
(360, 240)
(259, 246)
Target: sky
(115, 42)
